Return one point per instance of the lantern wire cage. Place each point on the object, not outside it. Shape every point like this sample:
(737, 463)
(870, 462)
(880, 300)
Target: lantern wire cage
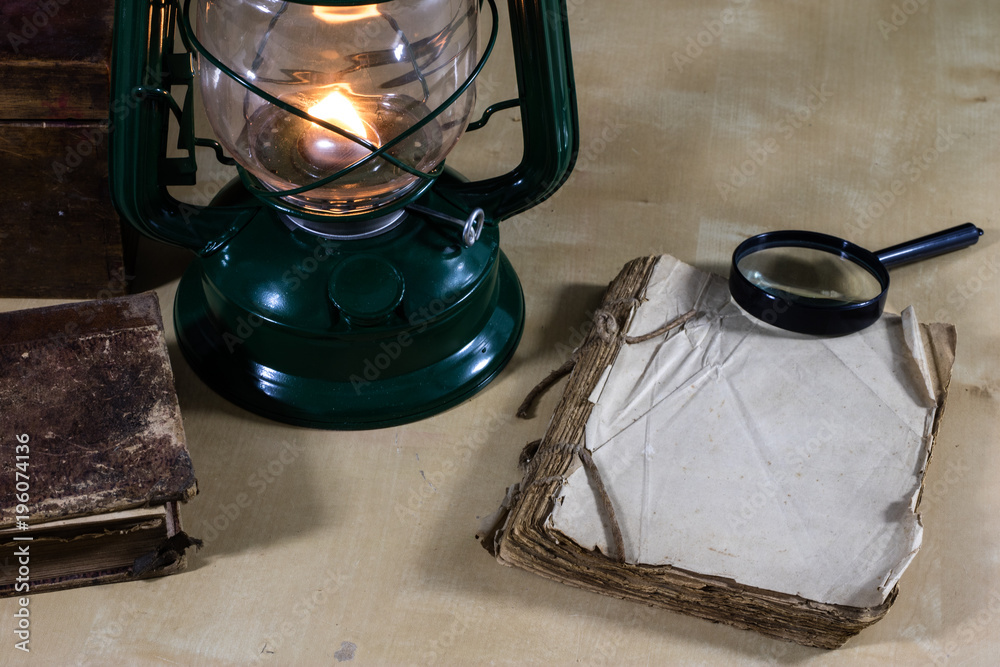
(277, 198)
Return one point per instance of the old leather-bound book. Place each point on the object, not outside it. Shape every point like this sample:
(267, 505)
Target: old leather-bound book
(93, 460)
(706, 462)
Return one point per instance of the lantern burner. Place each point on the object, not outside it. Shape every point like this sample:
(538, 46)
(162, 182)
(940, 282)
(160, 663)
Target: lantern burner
(344, 230)
(286, 151)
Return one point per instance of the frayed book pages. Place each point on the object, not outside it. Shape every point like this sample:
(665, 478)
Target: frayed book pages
(730, 470)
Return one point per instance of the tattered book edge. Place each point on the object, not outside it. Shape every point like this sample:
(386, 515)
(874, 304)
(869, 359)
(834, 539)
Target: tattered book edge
(518, 534)
(169, 558)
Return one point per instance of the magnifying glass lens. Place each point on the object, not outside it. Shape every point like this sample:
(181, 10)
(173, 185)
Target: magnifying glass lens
(810, 275)
(818, 284)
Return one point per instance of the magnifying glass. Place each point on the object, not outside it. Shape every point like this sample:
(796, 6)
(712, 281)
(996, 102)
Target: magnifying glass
(819, 284)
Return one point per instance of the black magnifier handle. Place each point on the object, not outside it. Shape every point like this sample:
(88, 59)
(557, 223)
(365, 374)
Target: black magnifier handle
(937, 243)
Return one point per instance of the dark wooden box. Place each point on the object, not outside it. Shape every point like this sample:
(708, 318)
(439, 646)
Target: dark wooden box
(59, 233)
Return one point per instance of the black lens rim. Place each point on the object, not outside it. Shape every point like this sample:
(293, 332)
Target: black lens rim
(816, 319)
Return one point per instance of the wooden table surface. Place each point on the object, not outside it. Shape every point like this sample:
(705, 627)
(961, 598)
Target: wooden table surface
(702, 123)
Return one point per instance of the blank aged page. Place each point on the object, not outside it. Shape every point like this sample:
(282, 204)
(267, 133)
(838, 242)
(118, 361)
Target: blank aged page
(783, 461)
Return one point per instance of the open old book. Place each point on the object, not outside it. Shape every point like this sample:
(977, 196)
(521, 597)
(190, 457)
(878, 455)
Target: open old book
(730, 470)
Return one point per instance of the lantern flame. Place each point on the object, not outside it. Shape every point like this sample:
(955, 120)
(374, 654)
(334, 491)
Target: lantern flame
(337, 109)
(345, 14)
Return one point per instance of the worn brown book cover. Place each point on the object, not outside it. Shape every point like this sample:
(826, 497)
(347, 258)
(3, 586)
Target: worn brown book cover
(93, 458)
(706, 462)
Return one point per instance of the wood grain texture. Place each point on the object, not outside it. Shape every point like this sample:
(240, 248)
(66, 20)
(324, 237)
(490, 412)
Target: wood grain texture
(55, 59)
(59, 233)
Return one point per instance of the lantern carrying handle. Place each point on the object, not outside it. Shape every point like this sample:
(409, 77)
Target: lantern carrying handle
(549, 124)
(143, 71)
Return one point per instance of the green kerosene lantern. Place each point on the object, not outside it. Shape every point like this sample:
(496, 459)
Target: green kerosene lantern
(347, 279)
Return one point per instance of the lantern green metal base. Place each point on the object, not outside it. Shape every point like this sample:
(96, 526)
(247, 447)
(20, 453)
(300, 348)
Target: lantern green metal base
(349, 335)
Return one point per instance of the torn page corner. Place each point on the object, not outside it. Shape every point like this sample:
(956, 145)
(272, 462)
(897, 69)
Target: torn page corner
(918, 353)
(941, 343)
